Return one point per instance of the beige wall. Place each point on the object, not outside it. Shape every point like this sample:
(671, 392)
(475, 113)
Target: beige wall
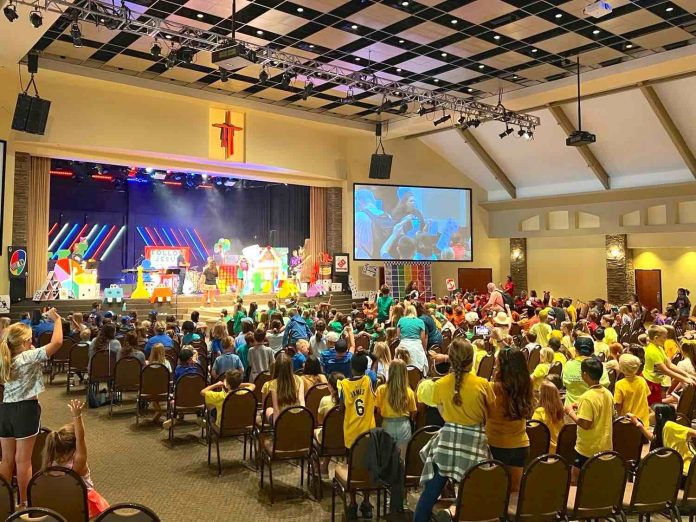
(677, 266)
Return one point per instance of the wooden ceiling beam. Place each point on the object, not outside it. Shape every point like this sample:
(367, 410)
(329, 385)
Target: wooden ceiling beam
(489, 162)
(584, 150)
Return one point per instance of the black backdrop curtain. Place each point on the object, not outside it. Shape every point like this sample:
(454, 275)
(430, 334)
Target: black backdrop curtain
(289, 215)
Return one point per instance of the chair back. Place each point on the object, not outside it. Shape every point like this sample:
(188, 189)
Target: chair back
(294, 430)
(127, 374)
(358, 475)
(154, 381)
(556, 368)
(37, 452)
(187, 391)
(79, 357)
(446, 340)
(36, 515)
(414, 377)
(394, 345)
(690, 483)
(101, 367)
(44, 339)
(313, 397)
(657, 481)
(609, 469)
(534, 358)
(413, 464)
(63, 353)
(537, 501)
(261, 379)
(173, 359)
(539, 439)
(127, 512)
(489, 480)
(486, 367)
(238, 412)
(685, 406)
(565, 445)
(59, 489)
(332, 441)
(7, 503)
(627, 439)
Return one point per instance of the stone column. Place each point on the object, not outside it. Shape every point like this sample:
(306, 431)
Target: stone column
(620, 273)
(21, 199)
(334, 220)
(518, 263)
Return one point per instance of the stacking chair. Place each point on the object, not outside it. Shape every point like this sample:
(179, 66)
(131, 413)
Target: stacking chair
(61, 490)
(539, 439)
(353, 476)
(543, 492)
(413, 465)
(362, 341)
(78, 362)
(565, 445)
(687, 401)
(101, 368)
(126, 379)
(687, 496)
(127, 512)
(313, 397)
(291, 440)
(394, 345)
(7, 502)
(588, 500)
(236, 417)
(61, 358)
(486, 367)
(36, 515)
(627, 441)
(556, 369)
(656, 485)
(611, 373)
(261, 379)
(187, 399)
(330, 443)
(154, 386)
(414, 377)
(483, 495)
(534, 359)
(37, 453)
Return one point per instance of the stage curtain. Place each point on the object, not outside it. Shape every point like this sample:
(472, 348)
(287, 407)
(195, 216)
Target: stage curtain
(317, 222)
(37, 230)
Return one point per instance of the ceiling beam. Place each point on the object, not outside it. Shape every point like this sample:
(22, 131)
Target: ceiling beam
(489, 162)
(584, 150)
(669, 126)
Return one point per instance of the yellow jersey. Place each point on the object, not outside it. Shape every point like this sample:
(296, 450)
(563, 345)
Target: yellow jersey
(385, 409)
(631, 396)
(359, 402)
(554, 427)
(676, 437)
(476, 394)
(596, 405)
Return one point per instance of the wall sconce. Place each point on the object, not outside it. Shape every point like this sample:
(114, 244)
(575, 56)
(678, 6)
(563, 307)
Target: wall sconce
(516, 254)
(615, 252)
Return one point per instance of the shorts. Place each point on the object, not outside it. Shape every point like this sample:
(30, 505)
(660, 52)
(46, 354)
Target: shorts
(209, 288)
(515, 457)
(580, 460)
(20, 420)
(655, 392)
(399, 428)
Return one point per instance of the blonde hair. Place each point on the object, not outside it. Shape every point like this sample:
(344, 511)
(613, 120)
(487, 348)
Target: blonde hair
(402, 354)
(656, 331)
(461, 357)
(411, 311)
(390, 333)
(160, 327)
(629, 364)
(546, 355)
(219, 331)
(383, 353)
(59, 446)
(480, 344)
(4, 323)
(11, 345)
(157, 354)
(397, 312)
(397, 387)
(550, 400)
(85, 334)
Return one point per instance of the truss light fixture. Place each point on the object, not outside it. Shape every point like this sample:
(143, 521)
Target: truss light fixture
(10, 12)
(350, 98)
(506, 133)
(307, 91)
(474, 123)
(263, 76)
(75, 31)
(285, 79)
(224, 75)
(156, 50)
(443, 119)
(36, 19)
(172, 58)
(186, 54)
(422, 110)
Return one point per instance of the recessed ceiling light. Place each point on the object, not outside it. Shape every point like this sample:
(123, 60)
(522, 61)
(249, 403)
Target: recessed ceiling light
(259, 32)
(398, 69)
(436, 80)
(300, 9)
(353, 26)
(357, 59)
(453, 22)
(496, 37)
(669, 9)
(514, 76)
(405, 4)
(559, 15)
(443, 55)
(470, 89)
(628, 46)
(535, 50)
(481, 66)
(311, 46)
(401, 41)
(200, 15)
(168, 36)
(596, 31)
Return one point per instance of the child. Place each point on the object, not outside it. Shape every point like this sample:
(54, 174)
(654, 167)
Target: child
(218, 334)
(190, 334)
(384, 304)
(317, 343)
(542, 329)
(567, 339)
(298, 360)
(550, 410)
(479, 353)
(555, 344)
(671, 344)
(657, 365)
(227, 361)
(67, 448)
(232, 382)
(610, 334)
(382, 359)
(260, 356)
(542, 369)
(403, 354)
(391, 335)
(157, 356)
(593, 413)
(631, 392)
(325, 404)
(531, 339)
(275, 336)
(188, 363)
(359, 403)
(600, 346)
(311, 373)
(396, 403)
(242, 349)
(286, 388)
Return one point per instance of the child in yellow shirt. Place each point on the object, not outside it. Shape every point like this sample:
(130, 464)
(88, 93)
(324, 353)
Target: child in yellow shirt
(550, 410)
(542, 369)
(631, 392)
(396, 403)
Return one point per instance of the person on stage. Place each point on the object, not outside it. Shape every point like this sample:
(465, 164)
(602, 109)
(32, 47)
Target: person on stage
(182, 265)
(210, 275)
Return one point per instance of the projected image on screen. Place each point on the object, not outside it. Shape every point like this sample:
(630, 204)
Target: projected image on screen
(412, 223)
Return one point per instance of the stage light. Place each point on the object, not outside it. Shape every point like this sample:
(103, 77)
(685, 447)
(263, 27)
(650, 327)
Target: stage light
(461, 121)
(425, 110)
(159, 176)
(309, 86)
(224, 75)
(527, 134)
(10, 12)
(263, 76)
(178, 176)
(505, 133)
(156, 50)
(76, 35)
(36, 19)
(286, 79)
(219, 182)
(349, 98)
(230, 183)
(149, 170)
(186, 54)
(474, 123)
(170, 62)
(444, 118)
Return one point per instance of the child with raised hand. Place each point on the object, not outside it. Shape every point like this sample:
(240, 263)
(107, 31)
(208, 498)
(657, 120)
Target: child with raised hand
(631, 392)
(67, 448)
(658, 365)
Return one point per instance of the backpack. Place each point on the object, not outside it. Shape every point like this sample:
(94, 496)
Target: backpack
(508, 300)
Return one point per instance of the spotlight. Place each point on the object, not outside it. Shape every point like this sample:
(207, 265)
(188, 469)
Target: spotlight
(178, 176)
(474, 123)
(170, 62)
(75, 31)
(527, 134)
(36, 19)
(403, 107)
(263, 76)
(425, 110)
(186, 54)
(505, 133)
(309, 86)
(224, 75)
(10, 12)
(349, 98)
(286, 79)
(156, 50)
(444, 118)
(219, 182)
(461, 121)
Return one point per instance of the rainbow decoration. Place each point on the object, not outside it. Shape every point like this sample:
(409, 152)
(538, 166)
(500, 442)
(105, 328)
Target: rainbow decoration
(397, 274)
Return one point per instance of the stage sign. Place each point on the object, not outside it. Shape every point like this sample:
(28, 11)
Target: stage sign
(165, 257)
(341, 264)
(227, 135)
(17, 263)
(370, 270)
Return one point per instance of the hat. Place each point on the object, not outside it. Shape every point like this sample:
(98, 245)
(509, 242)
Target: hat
(629, 364)
(584, 346)
(544, 314)
(108, 315)
(471, 317)
(502, 318)
(331, 337)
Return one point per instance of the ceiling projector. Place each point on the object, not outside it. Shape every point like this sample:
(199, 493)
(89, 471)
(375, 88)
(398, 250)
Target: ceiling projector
(598, 9)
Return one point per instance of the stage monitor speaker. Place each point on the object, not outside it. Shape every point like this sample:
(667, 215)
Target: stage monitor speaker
(380, 166)
(31, 114)
(18, 289)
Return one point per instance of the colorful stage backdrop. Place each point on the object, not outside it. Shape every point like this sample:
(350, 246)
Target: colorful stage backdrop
(120, 223)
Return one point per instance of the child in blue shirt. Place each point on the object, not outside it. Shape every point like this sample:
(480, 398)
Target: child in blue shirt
(190, 334)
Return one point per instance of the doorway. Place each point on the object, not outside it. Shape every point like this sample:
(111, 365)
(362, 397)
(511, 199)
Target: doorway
(649, 288)
(474, 279)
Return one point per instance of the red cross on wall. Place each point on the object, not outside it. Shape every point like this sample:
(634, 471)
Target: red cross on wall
(227, 130)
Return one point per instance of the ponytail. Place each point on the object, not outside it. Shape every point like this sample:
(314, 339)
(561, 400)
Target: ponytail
(49, 451)
(10, 345)
(59, 444)
(5, 362)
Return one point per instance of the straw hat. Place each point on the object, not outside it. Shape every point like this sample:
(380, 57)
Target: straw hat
(471, 317)
(502, 318)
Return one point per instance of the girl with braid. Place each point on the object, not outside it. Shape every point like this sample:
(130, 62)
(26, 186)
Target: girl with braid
(464, 401)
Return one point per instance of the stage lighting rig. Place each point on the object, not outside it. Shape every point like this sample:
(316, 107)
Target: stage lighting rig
(156, 50)
(186, 54)
(75, 31)
(10, 11)
(36, 19)
(263, 76)
(506, 133)
(286, 79)
(308, 88)
(444, 118)
(224, 76)
(422, 110)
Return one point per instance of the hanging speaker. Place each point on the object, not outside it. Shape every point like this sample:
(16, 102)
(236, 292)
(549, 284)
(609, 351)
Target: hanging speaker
(380, 166)
(31, 114)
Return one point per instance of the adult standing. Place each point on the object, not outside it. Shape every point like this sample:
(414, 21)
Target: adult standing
(509, 287)
(210, 275)
(182, 265)
(495, 300)
(384, 304)
(21, 374)
(433, 335)
(411, 330)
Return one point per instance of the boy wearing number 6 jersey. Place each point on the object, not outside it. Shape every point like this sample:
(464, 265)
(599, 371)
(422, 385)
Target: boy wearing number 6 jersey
(359, 404)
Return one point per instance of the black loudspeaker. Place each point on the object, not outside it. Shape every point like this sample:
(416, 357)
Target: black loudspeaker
(18, 289)
(380, 166)
(33, 63)
(31, 114)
